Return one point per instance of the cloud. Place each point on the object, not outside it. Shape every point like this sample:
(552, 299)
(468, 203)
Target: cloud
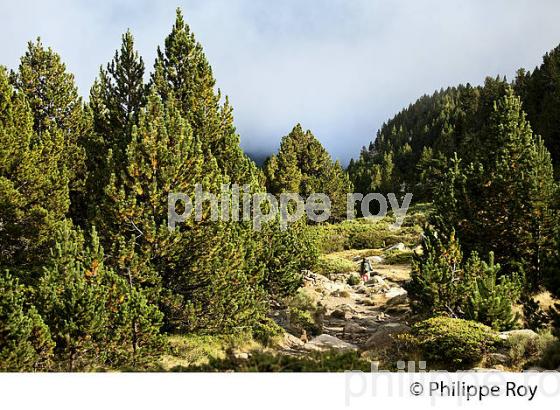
(340, 68)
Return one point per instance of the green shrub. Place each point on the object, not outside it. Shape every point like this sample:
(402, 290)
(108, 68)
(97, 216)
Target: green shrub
(334, 264)
(25, 340)
(551, 356)
(304, 314)
(266, 330)
(453, 343)
(301, 320)
(363, 233)
(353, 280)
(444, 283)
(398, 257)
(527, 350)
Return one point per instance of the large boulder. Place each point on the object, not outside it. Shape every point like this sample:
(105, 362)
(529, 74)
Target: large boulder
(384, 335)
(396, 296)
(326, 342)
(494, 359)
(376, 259)
(290, 342)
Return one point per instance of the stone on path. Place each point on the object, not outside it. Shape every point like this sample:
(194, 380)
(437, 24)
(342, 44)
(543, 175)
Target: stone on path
(326, 342)
(383, 336)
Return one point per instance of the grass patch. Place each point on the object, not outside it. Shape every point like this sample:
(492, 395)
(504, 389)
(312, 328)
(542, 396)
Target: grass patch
(198, 350)
(269, 362)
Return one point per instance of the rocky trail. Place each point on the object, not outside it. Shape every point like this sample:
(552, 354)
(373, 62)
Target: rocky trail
(353, 317)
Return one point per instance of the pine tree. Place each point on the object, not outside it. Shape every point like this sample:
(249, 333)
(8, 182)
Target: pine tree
(95, 318)
(501, 203)
(200, 292)
(25, 342)
(33, 183)
(444, 282)
(287, 253)
(303, 166)
(182, 72)
(56, 107)
(115, 101)
(540, 92)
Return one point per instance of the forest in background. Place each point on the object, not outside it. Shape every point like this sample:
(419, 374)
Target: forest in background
(91, 278)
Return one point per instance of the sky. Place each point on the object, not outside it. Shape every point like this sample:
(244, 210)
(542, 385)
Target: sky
(340, 68)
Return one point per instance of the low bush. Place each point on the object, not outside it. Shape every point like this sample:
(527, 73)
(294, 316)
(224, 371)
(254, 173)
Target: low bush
(550, 358)
(266, 331)
(303, 320)
(525, 350)
(304, 314)
(398, 257)
(452, 343)
(353, 280)
(333, 264)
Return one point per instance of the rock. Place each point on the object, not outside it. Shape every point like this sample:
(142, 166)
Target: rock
(236, 354)
(524, 333)
(377, 280)
(326, 342)
(290, 341)
(383, 336)
(340, 294)
(497, 359)
(396, 296)
(361, 289)
(376, 259)
(397, 247)
(352, 327)
(397, 310)
(340, 314)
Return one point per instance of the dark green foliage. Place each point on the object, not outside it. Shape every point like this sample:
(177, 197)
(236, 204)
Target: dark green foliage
(58, 116)
(115, 102)
(25, 341)
(286, 254)
(304, 167)
(540, 92)
(501, 202)
(453, 344)
(353, 280)
(534, 316)
(93, 315)
(182, 72)
(33, 183)
(443, 283)
(412, 150)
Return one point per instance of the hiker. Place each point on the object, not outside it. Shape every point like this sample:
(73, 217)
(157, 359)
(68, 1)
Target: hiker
(365, 269)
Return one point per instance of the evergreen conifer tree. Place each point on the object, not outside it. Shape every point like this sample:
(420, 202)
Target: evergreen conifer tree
(25, 342)
(57, 109)
(502, 202)
(33, 183)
